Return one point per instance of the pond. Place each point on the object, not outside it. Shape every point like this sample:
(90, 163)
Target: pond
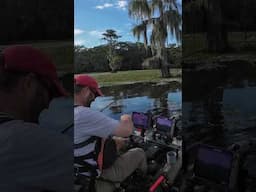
(164, 98)
(219, 108)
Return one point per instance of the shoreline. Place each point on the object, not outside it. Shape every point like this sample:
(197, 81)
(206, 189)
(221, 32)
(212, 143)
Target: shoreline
(163, 81)
(106, 79)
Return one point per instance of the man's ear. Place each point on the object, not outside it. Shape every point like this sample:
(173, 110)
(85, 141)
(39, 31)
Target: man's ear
(85, 90)
(28, 81)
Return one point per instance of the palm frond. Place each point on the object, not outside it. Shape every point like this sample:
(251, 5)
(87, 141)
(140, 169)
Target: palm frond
(158, 36)
(156, 6)
(162, 18)
(139, 9)
(141, 30)
(173, 21)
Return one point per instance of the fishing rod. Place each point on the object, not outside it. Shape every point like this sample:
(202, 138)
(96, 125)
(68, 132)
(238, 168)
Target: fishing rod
(107, 106)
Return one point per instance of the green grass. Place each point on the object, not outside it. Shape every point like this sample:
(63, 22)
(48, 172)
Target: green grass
(126, 77)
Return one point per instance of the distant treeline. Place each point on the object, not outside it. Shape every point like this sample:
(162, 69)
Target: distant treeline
(134, 57)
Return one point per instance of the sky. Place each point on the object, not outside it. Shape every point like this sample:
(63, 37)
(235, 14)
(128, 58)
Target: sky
(93, 17)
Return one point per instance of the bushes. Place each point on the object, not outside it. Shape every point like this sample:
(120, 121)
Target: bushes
(130, 56)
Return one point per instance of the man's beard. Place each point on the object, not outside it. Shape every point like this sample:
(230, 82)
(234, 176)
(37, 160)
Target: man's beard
(88, 103)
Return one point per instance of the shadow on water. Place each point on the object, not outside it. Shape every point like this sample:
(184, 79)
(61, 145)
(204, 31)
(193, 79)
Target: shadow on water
(219, 106)
(164, 98)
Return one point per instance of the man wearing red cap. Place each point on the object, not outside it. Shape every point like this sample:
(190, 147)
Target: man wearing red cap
(90, 124)
(32, 158)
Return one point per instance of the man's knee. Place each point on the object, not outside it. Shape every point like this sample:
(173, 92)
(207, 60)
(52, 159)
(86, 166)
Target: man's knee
(138, 151)
(140, 156)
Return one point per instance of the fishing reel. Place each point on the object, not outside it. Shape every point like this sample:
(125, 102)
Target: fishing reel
(154, 128)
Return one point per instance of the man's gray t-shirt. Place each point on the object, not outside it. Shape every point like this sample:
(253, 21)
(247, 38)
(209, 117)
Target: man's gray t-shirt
(59, 116)
(87, 123)
(33, 159)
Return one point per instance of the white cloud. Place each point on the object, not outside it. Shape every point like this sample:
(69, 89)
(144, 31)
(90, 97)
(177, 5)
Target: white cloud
(79, 42)
(106, 5)
(122, 4)
(96, 33)
(78, 31)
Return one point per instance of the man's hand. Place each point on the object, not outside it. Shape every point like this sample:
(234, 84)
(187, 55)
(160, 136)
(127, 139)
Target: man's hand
(125, 127)
(126, 117)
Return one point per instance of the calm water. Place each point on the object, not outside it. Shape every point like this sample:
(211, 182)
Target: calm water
(232, 119)
(219, 108)
(140, 97)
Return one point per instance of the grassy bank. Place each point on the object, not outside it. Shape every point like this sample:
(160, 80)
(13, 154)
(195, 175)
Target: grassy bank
(126, 77)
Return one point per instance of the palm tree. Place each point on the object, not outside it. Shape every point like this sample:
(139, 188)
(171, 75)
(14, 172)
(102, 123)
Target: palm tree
(162, 18)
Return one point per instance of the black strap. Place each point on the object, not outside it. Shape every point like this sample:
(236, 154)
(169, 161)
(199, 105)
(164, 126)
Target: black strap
(81, 158)
(66, 129)
(86, 142)
(86, 167)
(70, 126)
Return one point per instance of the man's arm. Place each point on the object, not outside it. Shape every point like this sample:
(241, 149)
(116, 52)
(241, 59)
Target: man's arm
(94, 123)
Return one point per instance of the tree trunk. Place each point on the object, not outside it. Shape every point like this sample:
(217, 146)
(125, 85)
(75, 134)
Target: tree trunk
(217, 37)
(164, 65)
(165, 71)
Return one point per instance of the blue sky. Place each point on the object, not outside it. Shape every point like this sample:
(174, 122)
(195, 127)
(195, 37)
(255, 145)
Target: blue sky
(93, 17)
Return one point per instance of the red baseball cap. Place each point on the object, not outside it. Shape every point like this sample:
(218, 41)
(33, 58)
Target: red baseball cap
(86, 80)
(25, 58)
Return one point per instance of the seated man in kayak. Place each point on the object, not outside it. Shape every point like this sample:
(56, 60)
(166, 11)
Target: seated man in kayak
(90, 125)
(32, 159)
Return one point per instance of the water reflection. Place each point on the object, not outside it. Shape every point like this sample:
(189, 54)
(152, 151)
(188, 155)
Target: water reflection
(239, 110)
(141, 97)
(221, 115)
(219, 108)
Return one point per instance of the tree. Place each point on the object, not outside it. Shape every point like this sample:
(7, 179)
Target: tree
(112, 38)
(162, 17)
(115, 63)
(208, 16)
(78, 58)
(132, 54)
(217, 36)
